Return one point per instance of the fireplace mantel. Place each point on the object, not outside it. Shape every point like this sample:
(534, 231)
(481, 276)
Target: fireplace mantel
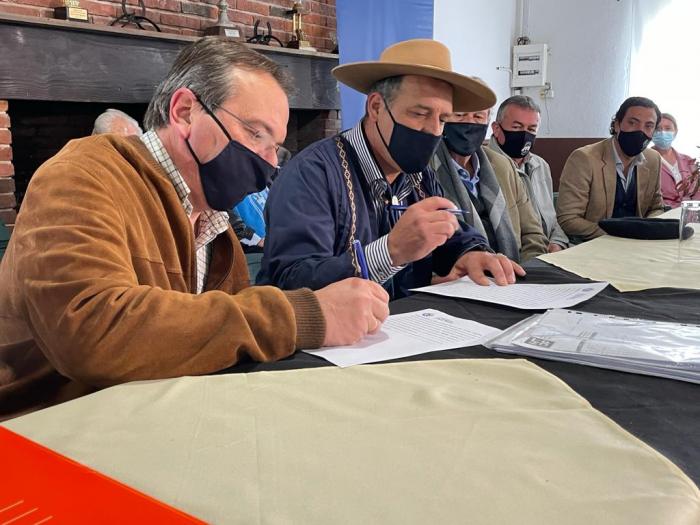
(54, 60)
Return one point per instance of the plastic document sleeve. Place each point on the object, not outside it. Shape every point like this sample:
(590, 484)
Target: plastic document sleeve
(641, 346)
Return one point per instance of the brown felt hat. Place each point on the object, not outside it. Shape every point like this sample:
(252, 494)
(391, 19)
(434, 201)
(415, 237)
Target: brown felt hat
(423, 57)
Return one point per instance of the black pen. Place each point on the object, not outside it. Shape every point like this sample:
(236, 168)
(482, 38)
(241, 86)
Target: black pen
(453, 211)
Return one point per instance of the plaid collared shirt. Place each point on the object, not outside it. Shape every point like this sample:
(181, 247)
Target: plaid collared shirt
(377, 252)
(211, 223)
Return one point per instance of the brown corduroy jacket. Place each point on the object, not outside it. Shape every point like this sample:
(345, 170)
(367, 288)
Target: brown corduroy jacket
(97, 285)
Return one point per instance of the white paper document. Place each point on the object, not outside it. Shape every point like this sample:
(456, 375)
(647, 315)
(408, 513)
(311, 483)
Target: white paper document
(523, 296)
(409, 334)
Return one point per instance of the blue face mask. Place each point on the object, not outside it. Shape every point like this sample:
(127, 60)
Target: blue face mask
(663, 139)
(234, 173)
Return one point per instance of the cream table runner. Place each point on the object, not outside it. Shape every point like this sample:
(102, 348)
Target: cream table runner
(456, 441)
(629, 264)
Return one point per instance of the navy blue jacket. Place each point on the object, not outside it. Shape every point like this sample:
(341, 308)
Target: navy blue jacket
(308, 225)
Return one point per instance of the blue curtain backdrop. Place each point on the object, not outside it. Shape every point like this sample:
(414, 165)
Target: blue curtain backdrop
(366, 27)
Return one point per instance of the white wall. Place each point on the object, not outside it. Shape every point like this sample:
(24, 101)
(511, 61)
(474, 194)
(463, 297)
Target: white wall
(665, 66)
(479, 34)
(589, 62)
(590, 44)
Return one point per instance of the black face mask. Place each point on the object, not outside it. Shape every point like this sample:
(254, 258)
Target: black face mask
(234, 173)
(464, 138)
(411, 149)
(632, 143)
(517, 143)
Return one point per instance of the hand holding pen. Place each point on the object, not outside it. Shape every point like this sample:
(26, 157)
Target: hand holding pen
(353, 308)
(421, 228)
(454, 211)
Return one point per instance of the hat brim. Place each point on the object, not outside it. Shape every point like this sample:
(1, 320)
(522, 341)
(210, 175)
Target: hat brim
(469, 93)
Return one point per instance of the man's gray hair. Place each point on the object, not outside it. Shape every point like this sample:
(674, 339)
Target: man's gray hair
(105, 122)
(521, 101)
(387, 87)
(206, 67)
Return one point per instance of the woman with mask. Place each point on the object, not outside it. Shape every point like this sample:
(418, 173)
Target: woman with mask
(680, 178)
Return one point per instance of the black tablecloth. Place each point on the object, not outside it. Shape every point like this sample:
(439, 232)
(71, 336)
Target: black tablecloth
(662, 412)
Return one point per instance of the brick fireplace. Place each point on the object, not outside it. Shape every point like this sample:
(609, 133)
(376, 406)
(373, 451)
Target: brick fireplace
(40, 129)
(72, 72)
(7, 169)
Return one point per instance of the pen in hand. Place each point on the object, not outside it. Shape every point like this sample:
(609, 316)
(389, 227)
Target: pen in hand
(360, 258)
(453, 211)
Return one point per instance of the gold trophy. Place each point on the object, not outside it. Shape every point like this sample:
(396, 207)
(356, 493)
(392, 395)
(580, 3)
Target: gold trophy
(223, 26)
(71, 10)
(298, 40)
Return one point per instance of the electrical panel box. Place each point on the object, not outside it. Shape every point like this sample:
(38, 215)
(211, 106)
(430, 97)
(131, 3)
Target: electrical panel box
(529, 65)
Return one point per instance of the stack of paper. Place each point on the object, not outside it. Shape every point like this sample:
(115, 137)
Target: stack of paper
(670, 350)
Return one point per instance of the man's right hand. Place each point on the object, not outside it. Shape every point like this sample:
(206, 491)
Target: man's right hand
(352, 308)
(423, 227)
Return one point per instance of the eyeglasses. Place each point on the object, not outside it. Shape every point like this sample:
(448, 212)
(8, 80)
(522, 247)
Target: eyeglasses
(260, 138)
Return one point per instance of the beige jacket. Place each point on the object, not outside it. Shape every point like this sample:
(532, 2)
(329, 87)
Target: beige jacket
(526, 224)
(97, 285)
(588, 184)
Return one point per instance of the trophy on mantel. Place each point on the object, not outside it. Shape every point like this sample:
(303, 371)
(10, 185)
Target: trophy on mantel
(223, 26)
(71, 10)
(298, 40)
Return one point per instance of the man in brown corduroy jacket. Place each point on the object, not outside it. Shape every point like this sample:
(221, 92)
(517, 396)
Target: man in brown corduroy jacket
(122, 267)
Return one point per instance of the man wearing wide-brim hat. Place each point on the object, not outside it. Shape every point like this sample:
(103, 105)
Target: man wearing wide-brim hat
(372, 184)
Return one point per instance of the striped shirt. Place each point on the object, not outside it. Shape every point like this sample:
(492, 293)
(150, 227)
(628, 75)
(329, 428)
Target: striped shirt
(377, 252)
(211, 223)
